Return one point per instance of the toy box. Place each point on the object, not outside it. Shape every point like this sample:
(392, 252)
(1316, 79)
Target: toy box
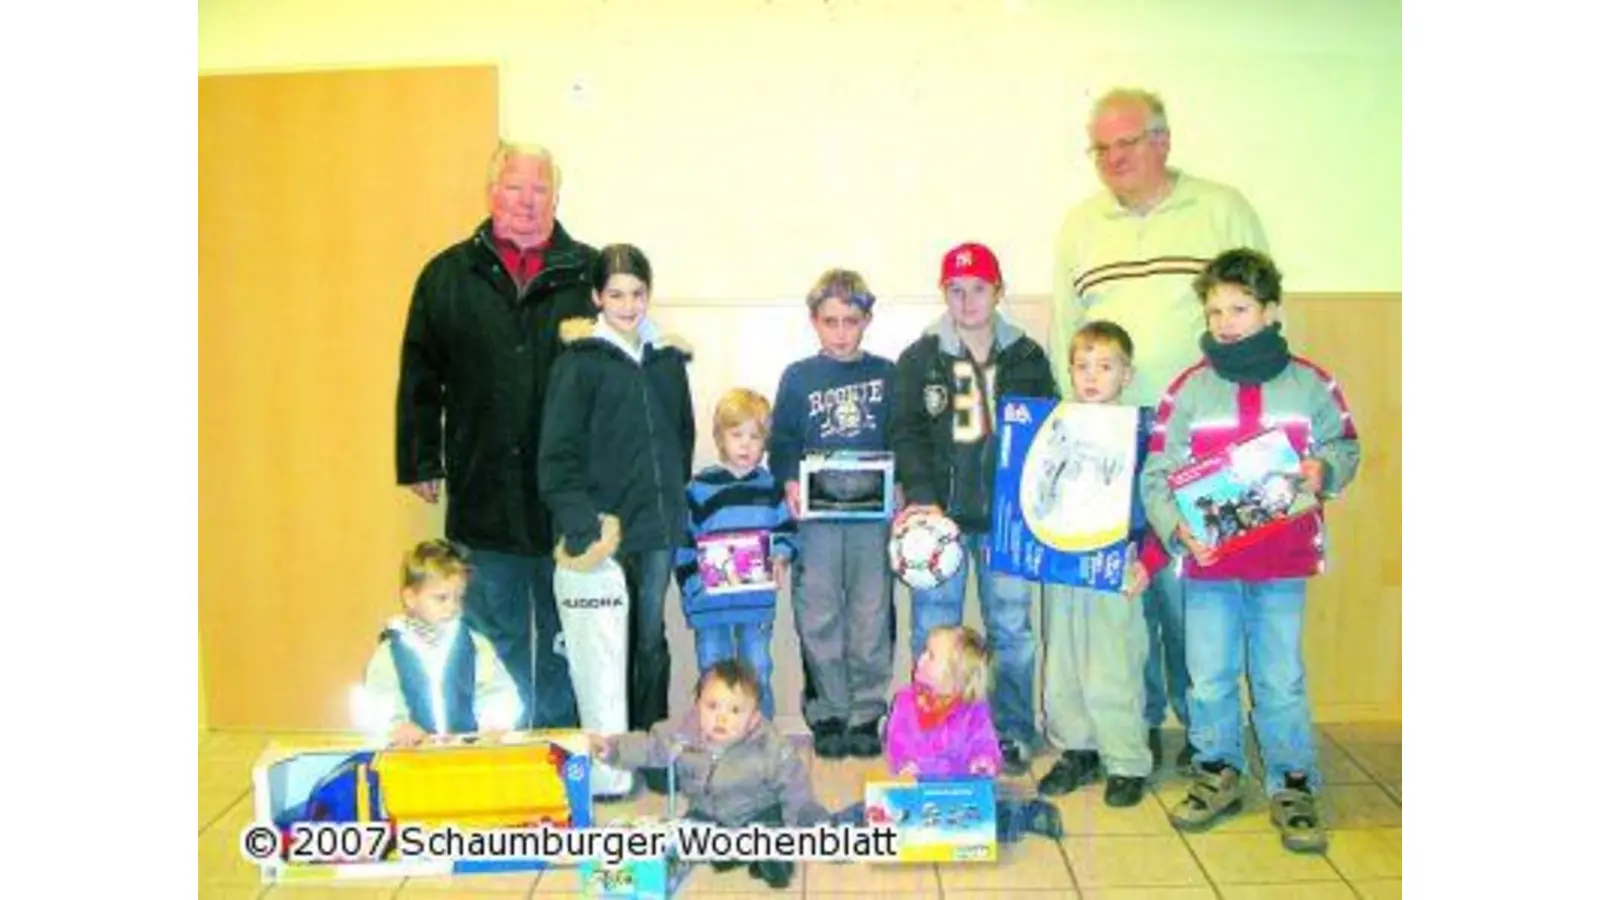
(736, 561)
(1243, 493)
(1065, 490)
(526, 780)
(937, 819)
(637, 879)
(847, 484)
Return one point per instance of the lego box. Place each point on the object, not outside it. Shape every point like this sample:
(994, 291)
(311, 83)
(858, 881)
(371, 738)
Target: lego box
(333, 812)
(1065, 490)
(937, 819)
(1243, 493)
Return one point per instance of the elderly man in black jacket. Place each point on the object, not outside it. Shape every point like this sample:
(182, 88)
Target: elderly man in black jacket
(479, 342)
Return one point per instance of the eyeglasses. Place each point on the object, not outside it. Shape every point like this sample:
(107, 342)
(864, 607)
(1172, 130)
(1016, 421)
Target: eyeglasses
(1098, 151)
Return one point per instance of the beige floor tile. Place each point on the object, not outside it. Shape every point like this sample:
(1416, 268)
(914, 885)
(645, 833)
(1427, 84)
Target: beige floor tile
(1307, 890)
(502, 885)
(1031, 865)
(1084, 813)
(1064, 893)
(1106, 862)
(707, 882)
(1366, 854)
(1150, 893)
(879, 879)
(215, 802)
(1382, 889)
(838, 783)
(1337, 766)
(1374, 746)
(1350, 806)
(1256, 859)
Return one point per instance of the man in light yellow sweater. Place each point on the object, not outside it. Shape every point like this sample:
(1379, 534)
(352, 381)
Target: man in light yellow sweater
(1129, 254)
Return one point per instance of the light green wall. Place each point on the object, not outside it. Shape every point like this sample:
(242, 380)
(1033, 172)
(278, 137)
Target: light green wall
(747, 145)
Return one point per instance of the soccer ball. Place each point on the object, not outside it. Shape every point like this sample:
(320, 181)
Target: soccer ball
(925, 551)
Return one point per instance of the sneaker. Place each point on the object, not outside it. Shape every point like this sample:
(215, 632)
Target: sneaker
(775, 872)
(1045, 819)
(862, 740)
(1214, 794)
(828, 739)
(1074, 769)
(1124, 790)
(1294, 812)
(1155, 747)
(1014, 755)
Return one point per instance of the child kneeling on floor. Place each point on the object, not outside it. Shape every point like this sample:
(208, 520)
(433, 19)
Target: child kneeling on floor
(734, 767)
(940, 725)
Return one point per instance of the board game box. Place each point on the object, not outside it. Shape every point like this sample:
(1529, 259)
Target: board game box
(938, 819)
(1065, 488)
(1243, 493)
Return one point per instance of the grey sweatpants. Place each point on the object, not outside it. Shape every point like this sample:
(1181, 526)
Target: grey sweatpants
(1094, 655)
(842, 612)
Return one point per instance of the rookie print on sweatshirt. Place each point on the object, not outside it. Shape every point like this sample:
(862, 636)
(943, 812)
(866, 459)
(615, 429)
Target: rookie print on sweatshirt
(844, 411)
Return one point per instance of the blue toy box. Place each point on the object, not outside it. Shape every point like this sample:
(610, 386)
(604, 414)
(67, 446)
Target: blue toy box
(1065, 497)
(937, 819)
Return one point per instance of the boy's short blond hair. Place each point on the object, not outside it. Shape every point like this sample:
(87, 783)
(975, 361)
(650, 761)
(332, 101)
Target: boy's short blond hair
(1099, 332)
(841, 284)
(432, 560)
(971, 662)
(739, 406)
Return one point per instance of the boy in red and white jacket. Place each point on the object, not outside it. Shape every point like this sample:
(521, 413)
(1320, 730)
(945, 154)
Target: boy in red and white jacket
(1249, 604)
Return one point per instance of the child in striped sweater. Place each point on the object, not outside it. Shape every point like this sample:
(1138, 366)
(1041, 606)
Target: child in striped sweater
(738, 544)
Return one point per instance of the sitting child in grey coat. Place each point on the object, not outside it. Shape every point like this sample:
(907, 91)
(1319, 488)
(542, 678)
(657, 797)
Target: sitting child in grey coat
(732, 765)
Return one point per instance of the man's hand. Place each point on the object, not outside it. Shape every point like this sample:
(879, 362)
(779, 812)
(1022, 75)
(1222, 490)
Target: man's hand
(1202, 554)
(427, 490)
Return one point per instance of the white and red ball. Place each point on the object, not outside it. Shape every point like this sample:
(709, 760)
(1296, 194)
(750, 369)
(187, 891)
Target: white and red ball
(925, 551)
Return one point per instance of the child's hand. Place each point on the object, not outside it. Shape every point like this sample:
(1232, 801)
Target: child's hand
(407, 734)
(1136, 580)
(600, 748)
(909, 770)
(491, 737)
(791, 493)
(899, 497)
(1202, 554)
(780, 570)
(1311, 476)
(984, 767)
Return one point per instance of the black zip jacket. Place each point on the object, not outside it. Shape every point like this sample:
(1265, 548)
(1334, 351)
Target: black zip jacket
(943, 431)
(618, 439)
(473, 371)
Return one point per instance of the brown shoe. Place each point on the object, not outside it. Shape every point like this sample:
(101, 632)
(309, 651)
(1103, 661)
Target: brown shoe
(1294, 811)
(1213, 795)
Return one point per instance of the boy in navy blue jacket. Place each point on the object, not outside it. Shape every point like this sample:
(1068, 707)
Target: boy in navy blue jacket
(839, 399)
(739, 543)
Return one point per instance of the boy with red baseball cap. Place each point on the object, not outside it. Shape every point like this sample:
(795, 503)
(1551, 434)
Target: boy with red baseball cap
(947, 385)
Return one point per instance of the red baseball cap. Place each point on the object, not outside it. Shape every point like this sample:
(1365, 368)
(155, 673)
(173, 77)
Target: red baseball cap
(970, 259)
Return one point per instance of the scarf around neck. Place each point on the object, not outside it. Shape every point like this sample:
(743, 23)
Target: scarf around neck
(932, 708)
(1255, 360)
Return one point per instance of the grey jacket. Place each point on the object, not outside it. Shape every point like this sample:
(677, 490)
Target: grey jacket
(731, 786)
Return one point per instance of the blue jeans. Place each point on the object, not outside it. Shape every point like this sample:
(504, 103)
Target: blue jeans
(751, 642)
(507, 596)
(1007, 605)
(1163, 616)
(649, 660)
(1230, 624)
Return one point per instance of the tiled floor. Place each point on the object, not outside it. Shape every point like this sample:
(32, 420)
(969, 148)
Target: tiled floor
(1108, 853)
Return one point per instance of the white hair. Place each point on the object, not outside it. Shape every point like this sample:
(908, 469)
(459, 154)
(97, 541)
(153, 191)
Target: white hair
(1155, 110)
(509, 150)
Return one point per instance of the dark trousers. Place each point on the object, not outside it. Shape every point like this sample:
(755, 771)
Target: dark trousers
(649, 662)
(510, 600)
